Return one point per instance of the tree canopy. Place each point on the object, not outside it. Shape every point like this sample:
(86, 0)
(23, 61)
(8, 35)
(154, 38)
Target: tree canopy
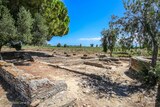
(8, 30)
(24, 25)
(109, 36)
(141, 21)
(32, 21)
(142, 17)
(54, 12)
(40, 30)
(57, 18)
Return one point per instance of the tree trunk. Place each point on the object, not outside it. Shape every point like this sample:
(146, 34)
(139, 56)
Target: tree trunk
(0, 48)
(111, 52)
(154, 53)
(0, 53)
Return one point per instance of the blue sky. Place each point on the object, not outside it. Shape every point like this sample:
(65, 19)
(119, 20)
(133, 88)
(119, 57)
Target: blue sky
(87, 19)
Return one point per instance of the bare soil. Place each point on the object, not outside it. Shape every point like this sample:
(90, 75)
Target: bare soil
(91, 86)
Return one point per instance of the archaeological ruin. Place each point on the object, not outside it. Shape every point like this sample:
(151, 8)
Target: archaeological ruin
(56, 80)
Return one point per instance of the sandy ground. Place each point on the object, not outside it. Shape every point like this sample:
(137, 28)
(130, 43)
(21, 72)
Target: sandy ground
(92, 86)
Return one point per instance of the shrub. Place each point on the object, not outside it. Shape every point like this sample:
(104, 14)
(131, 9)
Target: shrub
(92, 45)
(65, 45)
(58, 45)
(80, 45)
(157, 71)
(152, 77)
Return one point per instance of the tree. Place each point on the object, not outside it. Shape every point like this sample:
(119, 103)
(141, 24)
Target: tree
(65, 45)
(126, 43)
(109, 36)
(59, 45)
(143, 17)
(7, 26)
(54, 11)
(112, 40)
(80, 45)
(104, 40)
(24, 25)
(92, 45)
(109, 40)
(57, 18)
(40, 30)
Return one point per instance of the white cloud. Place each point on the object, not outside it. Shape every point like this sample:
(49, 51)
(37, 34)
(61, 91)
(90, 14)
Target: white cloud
(90, 39)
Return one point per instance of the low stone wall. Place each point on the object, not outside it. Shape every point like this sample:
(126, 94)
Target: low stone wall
(139, 63)
(96, 64)
(25, 55)
(28, 86)
(109, 59)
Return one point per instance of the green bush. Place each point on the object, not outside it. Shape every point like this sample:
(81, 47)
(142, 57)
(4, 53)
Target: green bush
(157, 71)
(80, 45)
(58, 45)
(152, 76)
(92, 45)
(65, 45)
(148, 77)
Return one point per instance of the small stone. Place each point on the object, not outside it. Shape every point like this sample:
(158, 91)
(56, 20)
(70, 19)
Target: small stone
(35, 103)
(85, 55)
(68, 55)
(86, 91)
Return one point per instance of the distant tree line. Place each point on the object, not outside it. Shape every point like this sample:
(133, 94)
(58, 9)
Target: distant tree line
(33, 22)
(65, 45)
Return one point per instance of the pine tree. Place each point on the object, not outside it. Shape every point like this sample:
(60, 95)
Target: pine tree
(40, 30)
(24, 25)
(7, 26)
(54, 11)
(56, 15)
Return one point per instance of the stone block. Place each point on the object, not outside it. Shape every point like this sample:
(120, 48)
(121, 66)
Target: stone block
(108, 59)
(139, 63)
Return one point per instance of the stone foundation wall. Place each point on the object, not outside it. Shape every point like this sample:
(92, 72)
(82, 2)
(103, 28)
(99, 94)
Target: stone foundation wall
(25, 55)
(139, 63)
(28, 86)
